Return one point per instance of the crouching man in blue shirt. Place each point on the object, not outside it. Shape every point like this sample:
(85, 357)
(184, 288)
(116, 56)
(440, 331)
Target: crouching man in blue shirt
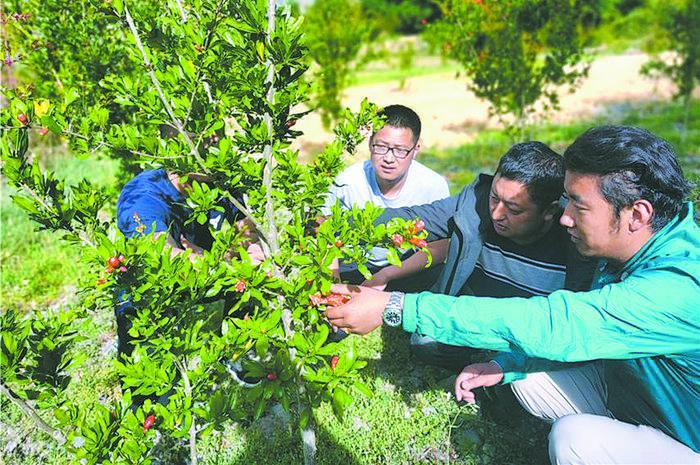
(155, 201)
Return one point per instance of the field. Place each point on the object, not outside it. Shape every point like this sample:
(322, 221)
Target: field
(412, 416)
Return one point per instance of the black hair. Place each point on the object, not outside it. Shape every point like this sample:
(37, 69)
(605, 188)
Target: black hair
(632, 164)
(538, 167)
(400, 116)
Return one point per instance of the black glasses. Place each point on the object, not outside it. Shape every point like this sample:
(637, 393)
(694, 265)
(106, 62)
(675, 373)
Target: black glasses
(398, 153)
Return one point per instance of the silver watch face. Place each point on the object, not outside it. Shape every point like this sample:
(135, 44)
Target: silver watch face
(392, 317)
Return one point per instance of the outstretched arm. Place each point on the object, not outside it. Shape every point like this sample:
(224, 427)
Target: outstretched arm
(411, 266)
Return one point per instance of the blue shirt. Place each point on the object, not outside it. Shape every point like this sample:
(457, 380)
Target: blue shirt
(150, 203)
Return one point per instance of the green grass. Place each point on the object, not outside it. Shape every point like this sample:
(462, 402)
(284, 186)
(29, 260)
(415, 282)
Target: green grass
(396, 74)
(412, 416)
(461, 164)
(37, 268)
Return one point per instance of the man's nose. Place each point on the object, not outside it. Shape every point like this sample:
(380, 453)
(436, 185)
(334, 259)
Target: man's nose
(566, 219)
(498, 211)
(389, 155)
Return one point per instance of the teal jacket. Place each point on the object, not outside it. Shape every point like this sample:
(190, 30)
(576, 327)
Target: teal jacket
(642, 320)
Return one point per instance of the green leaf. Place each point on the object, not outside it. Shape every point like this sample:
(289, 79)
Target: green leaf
(392, 257)
(363, 389)
(341, 401)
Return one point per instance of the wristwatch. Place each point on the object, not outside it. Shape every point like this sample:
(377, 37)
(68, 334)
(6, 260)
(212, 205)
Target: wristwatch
(393, 312)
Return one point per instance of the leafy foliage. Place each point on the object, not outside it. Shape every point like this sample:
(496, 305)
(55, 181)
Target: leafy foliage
(214, 103)
(677, 29)
(336, 33)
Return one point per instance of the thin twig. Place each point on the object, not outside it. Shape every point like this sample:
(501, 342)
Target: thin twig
(193, 426)
(149, 69)
(31, 413)
(183, 15)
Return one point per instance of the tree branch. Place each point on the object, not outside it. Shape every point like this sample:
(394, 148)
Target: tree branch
(182, 11)
(149, 69)
(31, 413)
(193, 426)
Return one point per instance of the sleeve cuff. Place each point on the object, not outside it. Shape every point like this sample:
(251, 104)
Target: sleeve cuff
(511, 366)
(409, 313)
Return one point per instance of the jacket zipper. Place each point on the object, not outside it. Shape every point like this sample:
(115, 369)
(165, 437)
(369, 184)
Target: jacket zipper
(457, 259)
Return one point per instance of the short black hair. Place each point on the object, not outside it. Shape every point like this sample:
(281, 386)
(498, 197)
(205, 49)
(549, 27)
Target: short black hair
(538, 167)
(633, 164)
(400, 116)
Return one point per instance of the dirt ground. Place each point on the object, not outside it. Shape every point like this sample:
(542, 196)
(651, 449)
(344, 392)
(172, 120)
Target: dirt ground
(452, 116)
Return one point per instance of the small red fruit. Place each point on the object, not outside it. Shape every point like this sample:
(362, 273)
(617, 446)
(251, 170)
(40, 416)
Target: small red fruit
(271, 376)
(240, 286)
(113, 262)
(424, 21)
(397, 239)
(122, 269)
(334, 362)
(43, 131)
(418, 242)
(22, 118)
(339, 244)
(148, 423)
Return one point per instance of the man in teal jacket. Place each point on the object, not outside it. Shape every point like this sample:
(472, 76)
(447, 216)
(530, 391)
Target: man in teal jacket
(636, 396)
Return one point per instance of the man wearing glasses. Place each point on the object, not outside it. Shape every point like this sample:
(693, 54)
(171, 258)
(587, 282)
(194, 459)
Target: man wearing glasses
(391, 178)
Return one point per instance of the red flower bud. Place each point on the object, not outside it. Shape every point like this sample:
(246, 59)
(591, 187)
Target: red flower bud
(419, 225)
(22, 118)
(271, 376)
(339, 244)
(334, 362)
(148, 423)
(240, 286)
(101, 281)
(43, 131)
(397, 239)
(424, 21)
(418, 242)
(335, 300)
(109, 270)
(122, 269)
(113, 262)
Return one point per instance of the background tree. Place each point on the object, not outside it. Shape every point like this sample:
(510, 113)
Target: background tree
(64, 51)
(215, 96)
(402, 16)
(677, 29)
(337, 34)
(515, 54)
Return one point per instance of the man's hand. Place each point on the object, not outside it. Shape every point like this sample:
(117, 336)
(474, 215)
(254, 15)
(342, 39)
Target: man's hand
(474, 376)
(379, 281)
(256, 253)
(362, 314)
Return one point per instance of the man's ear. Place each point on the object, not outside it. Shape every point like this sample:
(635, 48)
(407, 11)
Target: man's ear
(416, 150)
(642, 215)
(551, 210)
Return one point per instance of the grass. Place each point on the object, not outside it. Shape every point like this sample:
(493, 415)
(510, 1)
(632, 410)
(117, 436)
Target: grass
(412, 417)
(396, 74)
(461, 164)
